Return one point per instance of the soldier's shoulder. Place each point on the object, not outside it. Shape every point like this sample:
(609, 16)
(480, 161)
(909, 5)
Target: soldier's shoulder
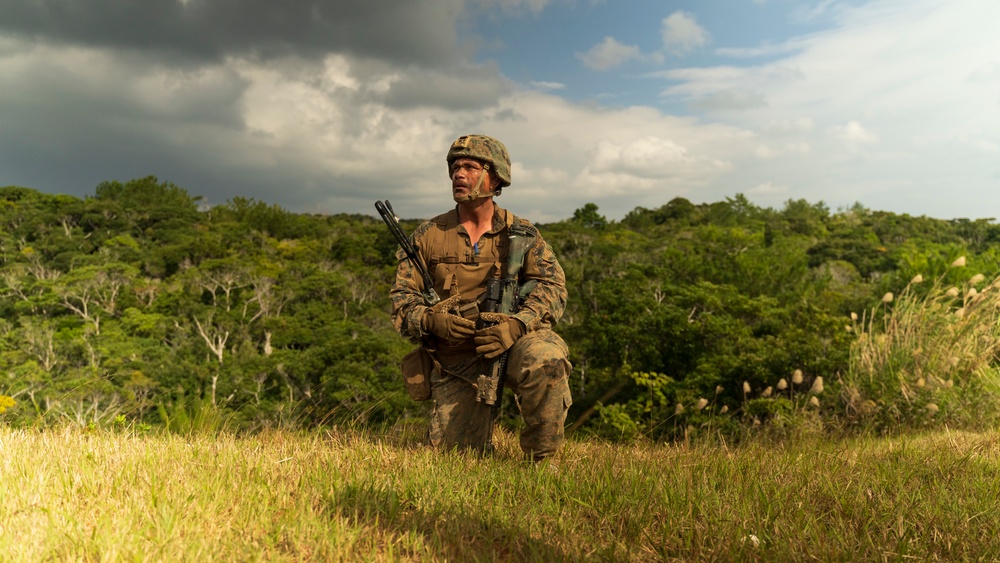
(524, 225)
(422, 229)
(439, 221)
(442, 217)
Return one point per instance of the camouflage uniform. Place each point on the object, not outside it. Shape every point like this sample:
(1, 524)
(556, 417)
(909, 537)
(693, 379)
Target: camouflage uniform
(537, 367)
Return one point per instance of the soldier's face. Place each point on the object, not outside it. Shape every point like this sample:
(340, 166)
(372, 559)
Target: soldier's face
(465, 174)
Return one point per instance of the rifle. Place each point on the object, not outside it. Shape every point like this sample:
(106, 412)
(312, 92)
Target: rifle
(391, 221)
(503, 295)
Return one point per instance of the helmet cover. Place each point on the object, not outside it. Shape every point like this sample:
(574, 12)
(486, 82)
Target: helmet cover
(485, 149)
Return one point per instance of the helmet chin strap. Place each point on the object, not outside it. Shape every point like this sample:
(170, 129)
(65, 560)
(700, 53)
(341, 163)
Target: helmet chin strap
(476, 193)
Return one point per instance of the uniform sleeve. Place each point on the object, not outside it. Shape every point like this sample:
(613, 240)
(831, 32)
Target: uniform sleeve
(408, 304)
(546, 303)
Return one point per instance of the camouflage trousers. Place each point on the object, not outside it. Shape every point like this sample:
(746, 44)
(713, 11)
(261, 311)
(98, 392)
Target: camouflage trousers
(538, 374)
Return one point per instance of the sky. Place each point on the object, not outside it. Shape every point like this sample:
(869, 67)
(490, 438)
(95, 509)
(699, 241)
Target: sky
(324, 106)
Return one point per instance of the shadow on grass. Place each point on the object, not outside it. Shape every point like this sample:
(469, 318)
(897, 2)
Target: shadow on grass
(449, 535)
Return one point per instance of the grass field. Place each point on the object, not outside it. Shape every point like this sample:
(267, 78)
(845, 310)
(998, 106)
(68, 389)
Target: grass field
(98, 495)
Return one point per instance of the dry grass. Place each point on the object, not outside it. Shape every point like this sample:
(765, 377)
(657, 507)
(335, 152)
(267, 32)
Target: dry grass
(69, 494)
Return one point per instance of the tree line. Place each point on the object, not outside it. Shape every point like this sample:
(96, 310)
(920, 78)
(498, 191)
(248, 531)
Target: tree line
(140, 302)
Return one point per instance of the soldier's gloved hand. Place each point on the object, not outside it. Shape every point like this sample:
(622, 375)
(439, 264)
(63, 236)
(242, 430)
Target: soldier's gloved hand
(440, 321)
(495, 340)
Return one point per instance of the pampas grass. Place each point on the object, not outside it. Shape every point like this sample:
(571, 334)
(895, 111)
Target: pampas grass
(938, 348)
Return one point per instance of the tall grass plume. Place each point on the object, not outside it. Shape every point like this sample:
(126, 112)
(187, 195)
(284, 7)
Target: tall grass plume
(927, 357)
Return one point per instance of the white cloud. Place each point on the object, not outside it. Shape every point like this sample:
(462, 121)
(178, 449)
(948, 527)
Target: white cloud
(987, 74)
(891, 105)
(854, 132)
(727, 88)
(541, 85)
(651, 157)
(767, 189)
(988, 147)
(764, 151)
(609, 54)
(785, 126)
(618, 159)
(811, 12)
(800, 147)
(734, 99)
(681, 33)
(762, 51)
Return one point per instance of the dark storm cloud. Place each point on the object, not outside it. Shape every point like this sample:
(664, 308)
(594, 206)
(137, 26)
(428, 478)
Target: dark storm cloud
(418, 32)
(61, 133)
(468, 89)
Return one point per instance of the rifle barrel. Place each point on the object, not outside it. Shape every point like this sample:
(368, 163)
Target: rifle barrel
(391, 221)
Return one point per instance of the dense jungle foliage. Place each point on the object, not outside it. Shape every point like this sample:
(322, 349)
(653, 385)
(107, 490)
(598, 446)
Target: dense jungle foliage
(138, 302)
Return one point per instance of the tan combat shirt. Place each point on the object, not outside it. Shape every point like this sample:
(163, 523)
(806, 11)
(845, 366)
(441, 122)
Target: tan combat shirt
(455, 266)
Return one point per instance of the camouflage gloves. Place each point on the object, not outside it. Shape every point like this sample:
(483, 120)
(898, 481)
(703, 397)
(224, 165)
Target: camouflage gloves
(441, 322)
(496, 339)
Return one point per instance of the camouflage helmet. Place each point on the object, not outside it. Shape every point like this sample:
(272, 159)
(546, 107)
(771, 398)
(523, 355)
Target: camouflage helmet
(485, 149)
